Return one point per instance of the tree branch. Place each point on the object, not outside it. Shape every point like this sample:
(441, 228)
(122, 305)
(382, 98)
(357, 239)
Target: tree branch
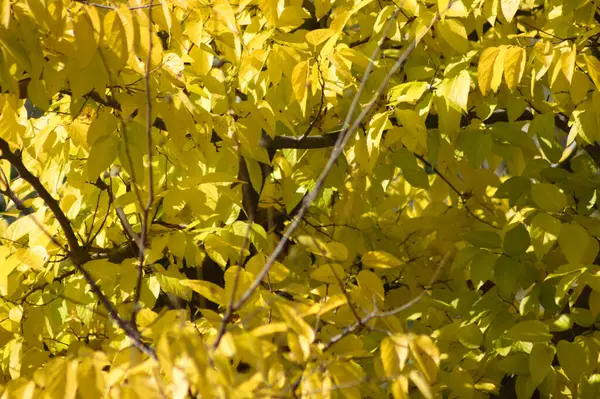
(77, 253)
(359, 324)
(150, 200)
(14, 158)
(327, 140)
(345, 134)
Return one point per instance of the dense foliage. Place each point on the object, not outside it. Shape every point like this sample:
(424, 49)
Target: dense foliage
(287, 198)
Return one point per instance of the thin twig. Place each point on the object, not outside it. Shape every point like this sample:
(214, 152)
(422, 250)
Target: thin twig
(343, 138)
(317, 118)
(107, 7)
(104, 220)
(150, 200)
(15, 159)
(77, 253)
(462, 197)
(374, 315)
(7, 191)
(230, 309)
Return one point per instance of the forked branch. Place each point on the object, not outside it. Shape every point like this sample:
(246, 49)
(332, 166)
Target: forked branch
(77, 253)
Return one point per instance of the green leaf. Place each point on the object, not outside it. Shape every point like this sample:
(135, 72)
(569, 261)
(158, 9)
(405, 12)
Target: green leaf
(506, 275)
(484, 239)
(574, 241)
(548, 197)
(482, 268)
(529, 331)
(545, 231)
(413, 174)
(514, 189)
(540, 362)
(476, 145)
(516, 240)
(572, 359)
(470, 336)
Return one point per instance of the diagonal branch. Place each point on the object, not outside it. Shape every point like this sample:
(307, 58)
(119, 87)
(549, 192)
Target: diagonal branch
(359, 324)
(77, 253)
(347, 132)
(15, 159)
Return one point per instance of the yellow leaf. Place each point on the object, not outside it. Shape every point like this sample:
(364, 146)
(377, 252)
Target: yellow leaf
(244, 279)
(380, 260)
(509, 8)
(355, 57)
(540, 362)
(593, 66)
(255, 173)
(514, 66)
(400, 387)
(327, 273)
(371, 285)
(270, 11)
(389, 357)
(102, 154)
(269, 329)
(318, 36)
(194, 28)
(571, 357)
(544, 53)
(37, 93)
(421, 383)
(568, 63)
(575, 243)
(295, 322)
(15, 49)
(129, 26)
(114, 46)
(414, 123)
(455, 34)
(277, 272)
(456, 90)
(579, 87)
(5, 16)
(103, 126)
(409, 92)
(442, 7)
(382, 19)
(300, 83)
(84, 39)
(489, 71)
(331, 249)
(224, 13)
(332, 302)
(209, 290)
(14, 352)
